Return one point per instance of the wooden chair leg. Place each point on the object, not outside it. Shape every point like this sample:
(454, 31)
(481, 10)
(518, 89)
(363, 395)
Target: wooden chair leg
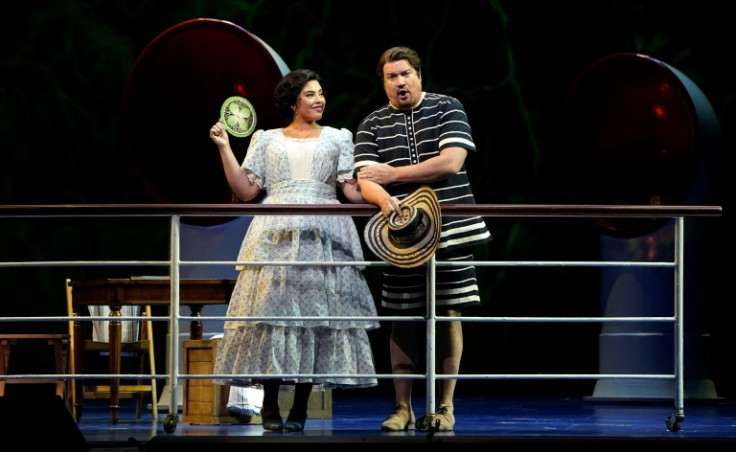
(60, 365)
(151, 364)
(139, 397)
(4, 357)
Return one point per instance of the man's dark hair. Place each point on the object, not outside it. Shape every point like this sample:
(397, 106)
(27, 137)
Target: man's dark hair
(396, 54)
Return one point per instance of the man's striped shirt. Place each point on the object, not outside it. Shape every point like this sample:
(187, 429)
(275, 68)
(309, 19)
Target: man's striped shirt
(408, 137)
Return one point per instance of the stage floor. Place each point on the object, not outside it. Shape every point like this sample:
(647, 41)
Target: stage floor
(481, 422)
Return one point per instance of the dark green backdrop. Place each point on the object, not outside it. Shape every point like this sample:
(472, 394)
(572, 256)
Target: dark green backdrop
(63, 67)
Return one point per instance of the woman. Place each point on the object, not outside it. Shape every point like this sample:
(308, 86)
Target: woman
(301, 163)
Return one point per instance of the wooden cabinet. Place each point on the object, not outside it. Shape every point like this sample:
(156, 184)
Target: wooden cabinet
(206, 403)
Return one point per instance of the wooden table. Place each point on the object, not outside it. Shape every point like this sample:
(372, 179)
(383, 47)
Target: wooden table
(195, 293)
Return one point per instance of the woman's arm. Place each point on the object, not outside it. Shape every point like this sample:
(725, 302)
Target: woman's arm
(235, 174)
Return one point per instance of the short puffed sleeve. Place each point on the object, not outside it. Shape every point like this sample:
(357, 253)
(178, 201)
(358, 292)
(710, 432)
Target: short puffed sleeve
(346, 158)
(255, 158)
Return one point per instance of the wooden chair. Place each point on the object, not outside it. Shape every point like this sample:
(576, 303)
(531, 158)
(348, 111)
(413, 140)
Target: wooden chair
(141, 347)
(59, 344)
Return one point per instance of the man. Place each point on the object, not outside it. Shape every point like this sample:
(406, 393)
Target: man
(419, 139)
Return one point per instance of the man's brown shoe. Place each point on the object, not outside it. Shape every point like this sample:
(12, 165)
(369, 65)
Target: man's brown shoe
(441, 421)
(401, 419)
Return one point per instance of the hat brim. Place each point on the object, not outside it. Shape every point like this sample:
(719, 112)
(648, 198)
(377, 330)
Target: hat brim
(377, 237)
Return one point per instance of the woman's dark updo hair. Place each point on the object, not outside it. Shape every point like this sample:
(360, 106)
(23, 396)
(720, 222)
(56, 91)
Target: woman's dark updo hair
(287, 91)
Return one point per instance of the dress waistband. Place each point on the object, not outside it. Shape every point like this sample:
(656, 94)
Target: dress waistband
(303, 190)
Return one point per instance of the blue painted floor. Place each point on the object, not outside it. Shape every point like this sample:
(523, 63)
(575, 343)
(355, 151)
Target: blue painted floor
(481, 422)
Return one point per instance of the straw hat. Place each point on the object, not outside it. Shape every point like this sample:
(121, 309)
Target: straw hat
(410, 239)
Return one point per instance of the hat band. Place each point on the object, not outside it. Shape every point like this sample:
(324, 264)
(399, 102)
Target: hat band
(408, 228)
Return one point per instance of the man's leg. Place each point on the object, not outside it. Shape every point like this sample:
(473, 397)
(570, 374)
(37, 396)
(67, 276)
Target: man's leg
(449, 350)
(449, 353)
(403, 348)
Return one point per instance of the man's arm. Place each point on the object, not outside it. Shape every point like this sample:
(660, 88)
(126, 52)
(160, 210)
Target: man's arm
(377, 195)
(447, 163)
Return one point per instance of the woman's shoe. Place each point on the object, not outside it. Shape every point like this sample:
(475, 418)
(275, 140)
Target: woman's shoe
(401, 419)
(271, 418)
(295, 421)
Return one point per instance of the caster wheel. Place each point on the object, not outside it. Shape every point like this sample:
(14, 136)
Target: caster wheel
(170, 423)
(674, 422)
